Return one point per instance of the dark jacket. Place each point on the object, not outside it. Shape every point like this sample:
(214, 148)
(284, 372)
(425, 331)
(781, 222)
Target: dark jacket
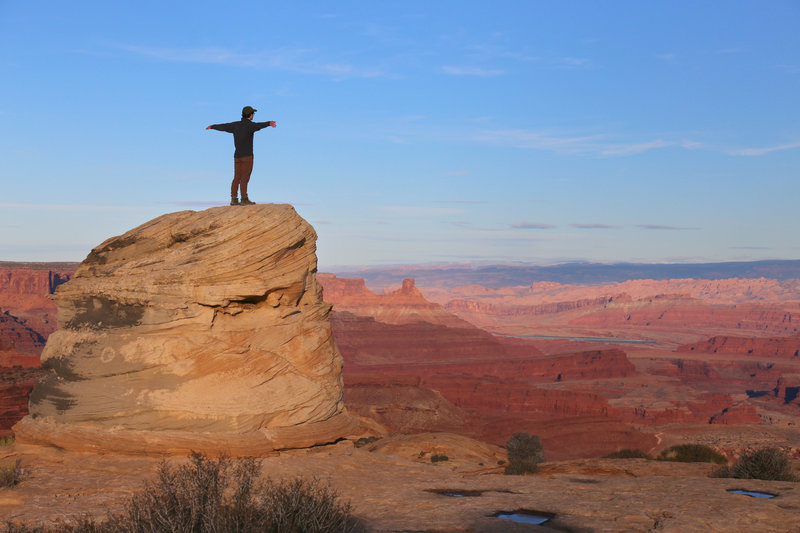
(243, 131)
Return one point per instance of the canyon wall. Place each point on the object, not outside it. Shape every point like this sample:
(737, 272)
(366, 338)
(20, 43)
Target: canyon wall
(769, 347)
(24, 291)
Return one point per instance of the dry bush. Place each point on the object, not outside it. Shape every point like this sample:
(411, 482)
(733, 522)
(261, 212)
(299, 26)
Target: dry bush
(692, 453)
(83, 525)
(628, 453)
(764, 463)
(298, 505)
(220, 496)
(524, 452)
(11, 474)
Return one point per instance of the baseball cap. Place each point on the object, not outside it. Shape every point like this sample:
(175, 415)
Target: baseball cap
(247, 111)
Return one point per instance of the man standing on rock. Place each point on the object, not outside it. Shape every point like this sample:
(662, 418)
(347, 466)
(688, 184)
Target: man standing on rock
(243, 131)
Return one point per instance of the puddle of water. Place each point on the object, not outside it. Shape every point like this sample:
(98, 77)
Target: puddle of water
(752, 493)
(524, 517)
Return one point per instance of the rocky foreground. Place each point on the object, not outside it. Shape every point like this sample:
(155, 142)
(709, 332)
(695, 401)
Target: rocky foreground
(393, 486)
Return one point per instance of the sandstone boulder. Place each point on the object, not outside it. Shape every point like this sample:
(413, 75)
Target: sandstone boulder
(195, 331)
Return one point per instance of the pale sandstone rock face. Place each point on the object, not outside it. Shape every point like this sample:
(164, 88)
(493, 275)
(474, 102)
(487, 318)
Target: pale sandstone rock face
(195, 331)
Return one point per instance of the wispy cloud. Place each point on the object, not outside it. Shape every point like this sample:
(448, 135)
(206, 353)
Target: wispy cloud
(302, 60)
(465, 224)
(531, 225)
(72, 207)
(459, 202)
(598, 144)
(637, 148)
(198, 203)
(472, 71)
(494, 52)
(420, 211)
(38, 248)
(536, 139)
(763, 151)
(593, 226)
(665, 228)
(571, 62)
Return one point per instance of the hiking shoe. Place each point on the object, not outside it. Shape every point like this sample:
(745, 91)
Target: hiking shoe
(246, 201)
(234, 200)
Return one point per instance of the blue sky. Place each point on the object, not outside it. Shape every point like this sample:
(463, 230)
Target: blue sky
(411, 132)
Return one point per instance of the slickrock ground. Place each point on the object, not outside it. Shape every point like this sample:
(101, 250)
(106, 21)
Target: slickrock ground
(392, 492)
(195, 331)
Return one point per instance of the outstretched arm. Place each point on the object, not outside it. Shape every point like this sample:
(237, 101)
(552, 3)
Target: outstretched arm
(262, 125)
(222, 127)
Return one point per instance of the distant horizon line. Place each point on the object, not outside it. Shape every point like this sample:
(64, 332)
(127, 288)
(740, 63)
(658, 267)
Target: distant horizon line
(476, 264)
(507, 263)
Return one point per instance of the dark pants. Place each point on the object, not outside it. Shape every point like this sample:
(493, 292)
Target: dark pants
(242, 168)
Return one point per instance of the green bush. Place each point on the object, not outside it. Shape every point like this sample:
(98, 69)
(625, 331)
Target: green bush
(692, 453)
(765, 463)
(7, 440)
(220, 496)
(435, 458)
(628, 453)
(525, 452)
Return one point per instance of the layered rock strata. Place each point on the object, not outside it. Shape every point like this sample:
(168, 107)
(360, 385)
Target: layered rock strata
(24, 288)
(777, 347)
(195, 331)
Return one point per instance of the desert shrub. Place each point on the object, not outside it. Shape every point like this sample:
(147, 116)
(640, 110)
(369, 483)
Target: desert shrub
(627, 453)
(83, 525)
(763, 463)
(435, 458)
(188, 497)
(525, 452)
(220, 496)
(305, 506)
(363, 441)
(11, 474)
(7, 440)
(692, 453)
